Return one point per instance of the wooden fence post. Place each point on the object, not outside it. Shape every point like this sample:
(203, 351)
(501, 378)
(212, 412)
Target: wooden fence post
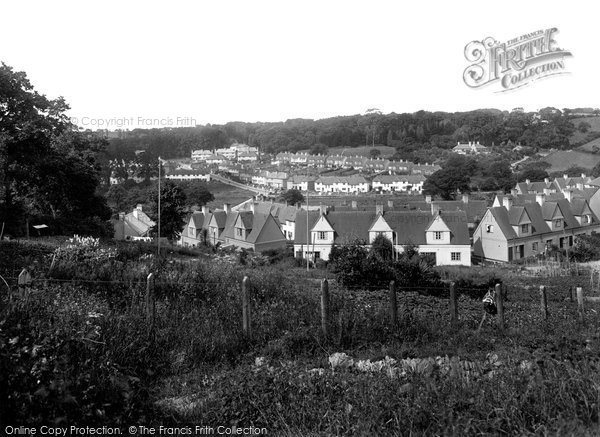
(393, 304)
(149, 299)
(453, 305)
(571, 294)
(24, 282)
(544, 301)
(325, 307)
(500, 306)
(580, 303)
(246, 307)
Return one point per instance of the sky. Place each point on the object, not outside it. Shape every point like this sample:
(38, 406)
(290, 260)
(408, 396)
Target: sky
(181, 63)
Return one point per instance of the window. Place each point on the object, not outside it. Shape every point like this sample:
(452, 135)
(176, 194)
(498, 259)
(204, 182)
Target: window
(534, 246)
(240, 232)
(322, 235)
(558, 223)
(585, 219)
(437, 235)
(524, 229)
(455, 256)
(489, 229)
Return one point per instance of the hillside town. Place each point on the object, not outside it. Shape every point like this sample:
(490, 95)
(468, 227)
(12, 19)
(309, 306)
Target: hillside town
(531, 220)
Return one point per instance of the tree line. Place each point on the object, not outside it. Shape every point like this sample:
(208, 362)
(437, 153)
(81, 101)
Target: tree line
(410, 134)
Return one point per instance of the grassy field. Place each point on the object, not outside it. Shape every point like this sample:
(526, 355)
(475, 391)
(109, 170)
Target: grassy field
(227, 194)
(579, 137)
(82, 349)
(563, 160)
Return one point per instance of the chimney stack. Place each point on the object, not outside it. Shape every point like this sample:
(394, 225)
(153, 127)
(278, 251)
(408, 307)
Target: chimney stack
(527, 181)
(354, 204)
(323, 209)
(390, 204)
(205, 210)
(540, 198)
(546, 180)
(227, 208)
(435, 209)
(379, 209)
(465, 198)
(252, 207)
(428, 198)
(582, 175)
(568, 195)
(565, 176)
(507, 202)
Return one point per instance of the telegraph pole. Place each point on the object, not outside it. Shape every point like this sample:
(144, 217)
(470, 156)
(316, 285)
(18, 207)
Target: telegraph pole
(158, 245)
(307, 233)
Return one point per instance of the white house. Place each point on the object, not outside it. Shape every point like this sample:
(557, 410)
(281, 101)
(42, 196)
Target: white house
(391, 183)
(442, 235)
(189, 175)
(342, 184)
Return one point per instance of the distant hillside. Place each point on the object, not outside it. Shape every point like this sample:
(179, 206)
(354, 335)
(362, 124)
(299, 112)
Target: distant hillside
(386, 151)
(565, 159)
(580, 137)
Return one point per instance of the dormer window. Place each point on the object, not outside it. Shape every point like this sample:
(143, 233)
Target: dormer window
(239, 232)
(321, 235)
(525, 229)
(437, 235)
(585, 219)
(558, 223)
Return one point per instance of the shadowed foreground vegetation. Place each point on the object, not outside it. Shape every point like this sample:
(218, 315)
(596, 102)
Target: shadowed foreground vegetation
(82, 350)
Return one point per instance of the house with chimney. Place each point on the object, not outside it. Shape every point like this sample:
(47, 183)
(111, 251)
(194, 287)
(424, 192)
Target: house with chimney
(470, 148)
(247, 229)
(443, 236)
(342, 184)
(398, 183)
(133, 226)
(284, 214)
(516, 227)
(301, 182)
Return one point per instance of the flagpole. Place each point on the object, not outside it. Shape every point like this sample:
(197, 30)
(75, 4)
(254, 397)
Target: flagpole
(158, 245)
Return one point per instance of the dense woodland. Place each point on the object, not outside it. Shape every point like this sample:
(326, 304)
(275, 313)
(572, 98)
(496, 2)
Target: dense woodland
(415, 136)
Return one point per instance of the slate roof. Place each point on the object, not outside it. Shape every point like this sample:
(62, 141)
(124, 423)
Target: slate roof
(352, 180)
(539, 215)
(253, 221)
(409, 226)
(389, 179)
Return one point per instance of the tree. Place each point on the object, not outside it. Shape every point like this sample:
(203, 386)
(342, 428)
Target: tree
(319, 149)
(446, 183)
(583, 126)
(172, 210)
(382, 247)
(533, 174)
(595, 171)
(116, 197)
(196, 194)
(374, 153)
(47, 168)
(292, 197)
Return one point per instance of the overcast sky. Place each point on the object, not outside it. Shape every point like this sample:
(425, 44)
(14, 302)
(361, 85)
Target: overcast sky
(218, 61)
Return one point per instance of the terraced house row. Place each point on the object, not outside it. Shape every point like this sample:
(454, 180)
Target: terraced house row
(355, 162)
